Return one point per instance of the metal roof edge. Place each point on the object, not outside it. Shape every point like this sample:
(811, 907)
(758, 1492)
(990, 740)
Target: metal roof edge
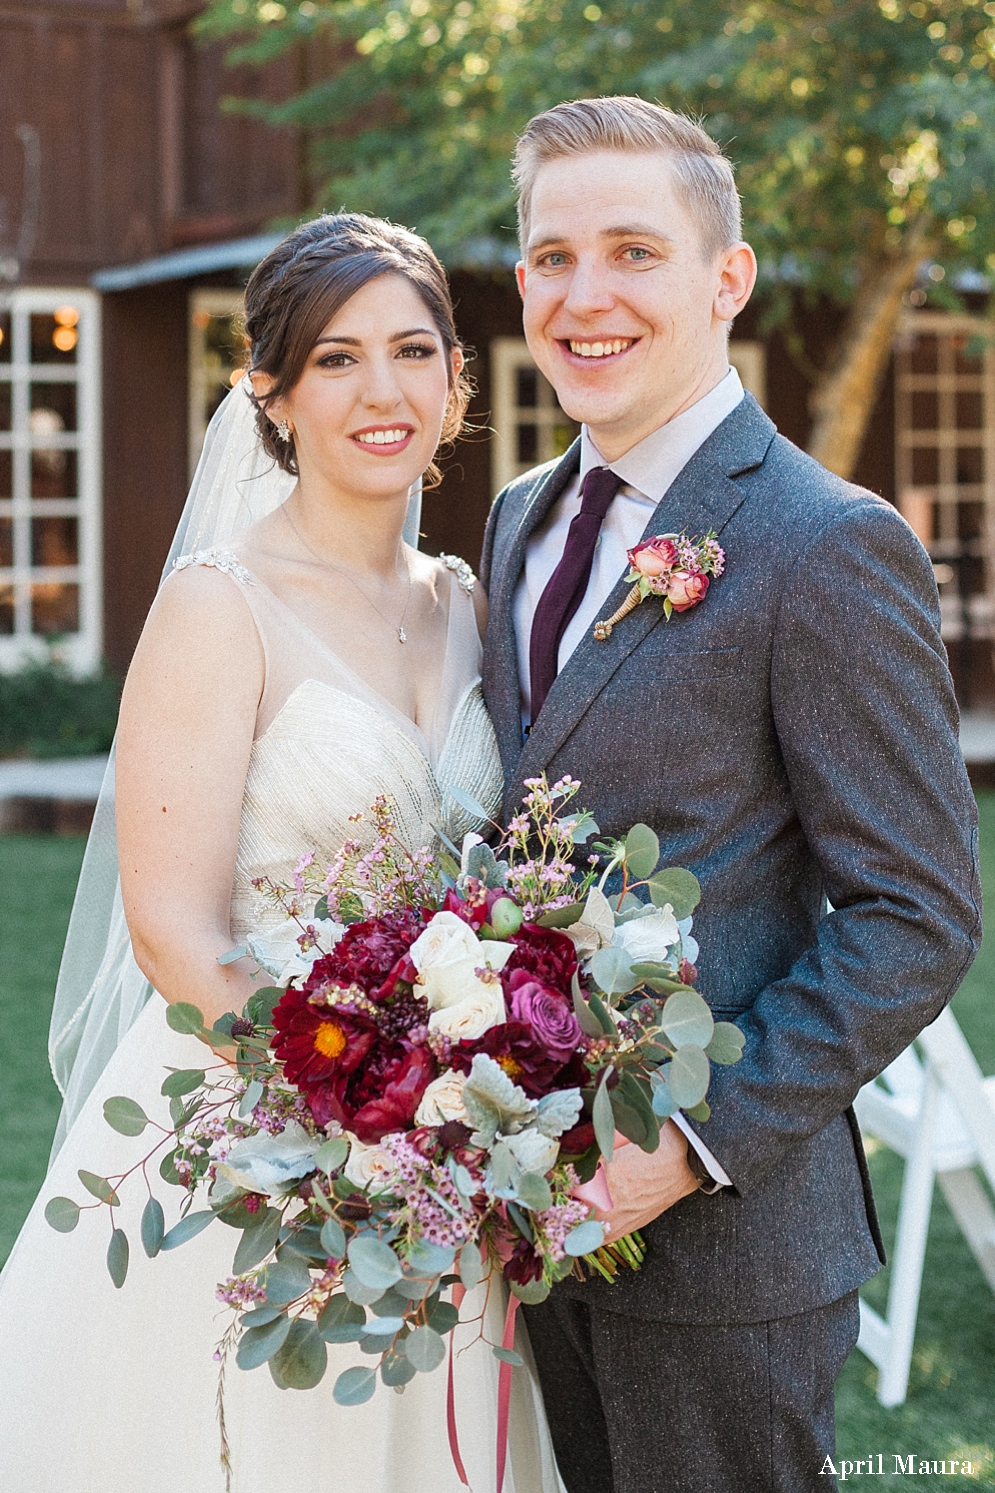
(202, 260)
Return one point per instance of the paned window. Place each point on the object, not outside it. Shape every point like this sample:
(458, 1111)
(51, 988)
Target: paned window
(50, 574)
(945, 460)
(217, 358)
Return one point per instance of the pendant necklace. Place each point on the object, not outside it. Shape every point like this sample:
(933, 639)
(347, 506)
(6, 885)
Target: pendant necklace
(402, 636)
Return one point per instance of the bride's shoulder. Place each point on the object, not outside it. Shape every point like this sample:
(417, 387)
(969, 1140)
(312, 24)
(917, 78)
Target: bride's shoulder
(461, 576)
(205, 593)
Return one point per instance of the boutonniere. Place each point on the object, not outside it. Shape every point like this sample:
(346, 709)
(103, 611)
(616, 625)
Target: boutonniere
(672, 566)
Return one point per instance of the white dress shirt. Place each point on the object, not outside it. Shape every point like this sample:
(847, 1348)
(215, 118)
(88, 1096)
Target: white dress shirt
(647, 472)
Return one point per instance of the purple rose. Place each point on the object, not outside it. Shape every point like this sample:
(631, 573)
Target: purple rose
(552, 1020)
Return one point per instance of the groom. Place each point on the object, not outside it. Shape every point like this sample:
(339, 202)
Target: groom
(791, 737)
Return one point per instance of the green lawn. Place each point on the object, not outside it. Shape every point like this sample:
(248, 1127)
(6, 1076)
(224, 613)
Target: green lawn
(949, 1411)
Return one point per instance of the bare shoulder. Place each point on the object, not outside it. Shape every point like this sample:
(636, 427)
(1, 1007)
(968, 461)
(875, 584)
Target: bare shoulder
(464, 577)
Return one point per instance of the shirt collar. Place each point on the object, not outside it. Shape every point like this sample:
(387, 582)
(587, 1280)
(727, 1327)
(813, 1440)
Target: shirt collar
(651, 465)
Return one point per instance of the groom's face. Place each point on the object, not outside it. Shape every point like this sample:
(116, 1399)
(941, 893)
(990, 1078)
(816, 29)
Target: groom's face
(626, 310)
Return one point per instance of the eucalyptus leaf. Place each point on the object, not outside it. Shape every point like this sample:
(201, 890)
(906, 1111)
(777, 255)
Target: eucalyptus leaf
(611, 969)
(331, 1154)
(182, 1081)
(153, 1227)
(342, 1320)
(258, 1344)
(534, 1191)
(678, 887)
(256, 1243)
(361, 1294)
(642, 852)
(508, 1355)
(117, 1257)
(639, 1099)
(521, 1222)
(183, 1017)
(62, 1214)
(124, 1115)
(187, 1228)
(686, 1019)
(430, 1259)
(395, 1369)
(586, 1019)
(414, 1289)
(167, 1169)
(471, 1267)
(98, 1187)
(425, 1349)
(443, 1316)
(384, 1327)
(372, 1344)
(355, 1386)
(531, 1293)
(628, 1120)
(604, 1119)
(302, 1359)
(251, 1097)
(233, 955)
(259, 1006)
(259, 1316)
(585, 1238)
(373, 1262)
(333, 1239)
(465, 1184)
(286, 1279)
(688, 1076)
(562, 917)
(726, 1046)
(699, 1112)
(392, 1303)
(664, 1104)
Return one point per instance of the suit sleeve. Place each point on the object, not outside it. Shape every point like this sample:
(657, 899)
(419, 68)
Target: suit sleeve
(866, 721)
(487, 552)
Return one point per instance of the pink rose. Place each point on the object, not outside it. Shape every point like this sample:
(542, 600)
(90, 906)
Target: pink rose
(655, 557)
(686, 589)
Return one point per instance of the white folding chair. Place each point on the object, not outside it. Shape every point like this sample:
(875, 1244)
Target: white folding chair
(939, 1113)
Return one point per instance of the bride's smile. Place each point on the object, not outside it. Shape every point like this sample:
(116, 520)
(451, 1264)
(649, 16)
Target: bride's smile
(367, 413)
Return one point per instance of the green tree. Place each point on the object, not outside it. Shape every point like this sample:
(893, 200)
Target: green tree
(863, 132)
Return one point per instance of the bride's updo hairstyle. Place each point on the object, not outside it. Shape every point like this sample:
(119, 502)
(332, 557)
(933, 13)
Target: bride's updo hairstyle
(297, 289)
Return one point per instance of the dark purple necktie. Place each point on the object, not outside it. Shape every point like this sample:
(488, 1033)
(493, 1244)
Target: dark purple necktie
(566, 586)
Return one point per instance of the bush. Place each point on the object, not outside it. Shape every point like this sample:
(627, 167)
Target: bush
(46, 712)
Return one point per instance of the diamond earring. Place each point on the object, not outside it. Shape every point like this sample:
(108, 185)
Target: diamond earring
(284, 431)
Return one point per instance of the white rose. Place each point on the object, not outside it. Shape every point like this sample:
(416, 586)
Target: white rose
(481, 1007)
(369, 1166)
(442, 1100)
(648, 938)
(279, 951)
(447, 955)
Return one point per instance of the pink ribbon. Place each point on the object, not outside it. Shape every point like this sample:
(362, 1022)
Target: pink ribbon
(504, 1390)
(459, 1291)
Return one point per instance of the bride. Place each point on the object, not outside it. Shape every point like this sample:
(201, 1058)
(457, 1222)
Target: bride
(300, 659)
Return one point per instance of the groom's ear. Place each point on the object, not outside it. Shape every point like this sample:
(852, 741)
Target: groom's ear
(520, 278)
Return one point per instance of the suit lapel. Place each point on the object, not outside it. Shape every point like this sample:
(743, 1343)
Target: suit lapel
(703, 497)
(501, 660)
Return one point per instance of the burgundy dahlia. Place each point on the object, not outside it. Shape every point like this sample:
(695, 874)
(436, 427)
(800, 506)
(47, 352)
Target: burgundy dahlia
(516, 1048)
(524, 1266)
(545, 954)
(317, 1044)
(367, 953)
(401, 1085)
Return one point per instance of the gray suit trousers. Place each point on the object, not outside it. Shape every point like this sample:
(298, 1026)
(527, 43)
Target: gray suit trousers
(661, 1407)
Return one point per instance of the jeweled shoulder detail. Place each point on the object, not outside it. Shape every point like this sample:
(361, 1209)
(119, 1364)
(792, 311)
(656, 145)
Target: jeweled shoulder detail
(218, 560)
(461, 571)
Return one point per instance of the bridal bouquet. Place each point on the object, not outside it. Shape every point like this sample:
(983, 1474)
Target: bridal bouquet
(455, 1040)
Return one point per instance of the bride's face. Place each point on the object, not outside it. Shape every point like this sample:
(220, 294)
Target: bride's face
(367, 411)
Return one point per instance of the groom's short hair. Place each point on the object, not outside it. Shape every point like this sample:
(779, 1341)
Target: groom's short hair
(704, 175)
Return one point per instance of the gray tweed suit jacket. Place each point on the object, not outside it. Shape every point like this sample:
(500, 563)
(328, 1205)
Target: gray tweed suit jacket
(791, 738)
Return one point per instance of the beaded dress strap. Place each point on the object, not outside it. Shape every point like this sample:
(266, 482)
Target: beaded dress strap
(461, 570)
(218, 559)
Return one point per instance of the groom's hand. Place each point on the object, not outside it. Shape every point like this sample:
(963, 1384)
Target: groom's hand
(644, 1186)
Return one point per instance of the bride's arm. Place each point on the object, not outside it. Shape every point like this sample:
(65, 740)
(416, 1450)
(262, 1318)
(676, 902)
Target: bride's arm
(187, 717)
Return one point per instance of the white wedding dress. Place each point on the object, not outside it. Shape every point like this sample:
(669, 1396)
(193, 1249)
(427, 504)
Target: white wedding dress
(114, 1391)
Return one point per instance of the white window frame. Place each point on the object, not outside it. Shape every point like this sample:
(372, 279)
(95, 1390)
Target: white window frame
(80, 651)
(508, 355)
(215, 303)
(916, 500)
(750, 361)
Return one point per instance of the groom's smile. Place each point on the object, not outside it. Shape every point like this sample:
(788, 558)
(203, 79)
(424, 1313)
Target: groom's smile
(626, 310)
